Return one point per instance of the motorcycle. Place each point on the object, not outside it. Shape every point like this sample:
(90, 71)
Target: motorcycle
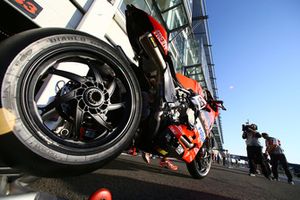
(70, 102)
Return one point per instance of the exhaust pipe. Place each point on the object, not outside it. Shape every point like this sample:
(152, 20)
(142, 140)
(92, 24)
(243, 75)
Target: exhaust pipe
(152, 50)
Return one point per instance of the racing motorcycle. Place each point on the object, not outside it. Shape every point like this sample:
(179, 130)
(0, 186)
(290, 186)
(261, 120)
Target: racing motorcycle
(70, 102)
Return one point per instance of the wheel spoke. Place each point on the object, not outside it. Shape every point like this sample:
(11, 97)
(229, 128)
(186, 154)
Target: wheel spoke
(111, 88)
(58, 100)
(78, 121)
(115, 106)
(101, 121)
(94, 67)
(66, 74)
(47, 115)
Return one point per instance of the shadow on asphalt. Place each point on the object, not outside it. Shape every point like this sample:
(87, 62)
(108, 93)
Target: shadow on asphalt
(231, 170)
(124, 187)
(130, 178)
(123, 164)
(127, 188)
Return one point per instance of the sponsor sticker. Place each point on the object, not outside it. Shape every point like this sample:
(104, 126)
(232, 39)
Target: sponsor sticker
(29, 7)
(200, 130)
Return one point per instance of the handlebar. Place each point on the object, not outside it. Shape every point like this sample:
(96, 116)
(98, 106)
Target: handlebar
(219, 103)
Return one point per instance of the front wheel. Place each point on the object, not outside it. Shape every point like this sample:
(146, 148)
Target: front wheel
(200, 166)
(69, 103)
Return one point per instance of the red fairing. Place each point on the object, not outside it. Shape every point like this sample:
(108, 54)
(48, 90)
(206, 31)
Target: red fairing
(193, 135)
(160, 34)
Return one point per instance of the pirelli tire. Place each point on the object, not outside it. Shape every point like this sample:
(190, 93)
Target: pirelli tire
(91, 115)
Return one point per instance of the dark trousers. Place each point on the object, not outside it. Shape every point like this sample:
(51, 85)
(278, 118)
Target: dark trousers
(255, 157)
(280, 158)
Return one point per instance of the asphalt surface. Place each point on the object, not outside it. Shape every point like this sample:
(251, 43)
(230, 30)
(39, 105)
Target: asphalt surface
(128, 177)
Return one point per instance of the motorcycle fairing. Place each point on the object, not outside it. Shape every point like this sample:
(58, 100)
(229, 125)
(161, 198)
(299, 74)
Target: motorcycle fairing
(189, 83)
(196, 137)
(208, 114)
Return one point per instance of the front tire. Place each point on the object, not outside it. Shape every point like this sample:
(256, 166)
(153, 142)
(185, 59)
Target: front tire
(68, 101)
(201, 165)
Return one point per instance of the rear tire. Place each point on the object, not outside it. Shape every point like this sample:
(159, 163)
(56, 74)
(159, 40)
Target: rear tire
(69, 102)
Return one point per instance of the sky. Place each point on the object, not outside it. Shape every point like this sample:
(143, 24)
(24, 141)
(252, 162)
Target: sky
(256, 52)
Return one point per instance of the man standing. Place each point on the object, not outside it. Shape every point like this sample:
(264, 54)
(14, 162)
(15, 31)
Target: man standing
(273, 148)
(254, 150)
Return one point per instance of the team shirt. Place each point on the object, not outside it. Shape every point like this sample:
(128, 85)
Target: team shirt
(273, 146)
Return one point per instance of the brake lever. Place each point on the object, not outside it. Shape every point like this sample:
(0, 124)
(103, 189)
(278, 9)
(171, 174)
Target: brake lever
(223, 107)
(220, 104)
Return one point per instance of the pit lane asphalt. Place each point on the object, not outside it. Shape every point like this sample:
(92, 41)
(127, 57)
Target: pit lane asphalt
(128, 177)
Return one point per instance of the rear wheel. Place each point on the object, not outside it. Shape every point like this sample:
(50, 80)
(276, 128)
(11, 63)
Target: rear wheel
(68, 101)
(200, 166)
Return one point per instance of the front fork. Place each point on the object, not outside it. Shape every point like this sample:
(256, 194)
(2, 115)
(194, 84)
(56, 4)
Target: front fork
(206, 149)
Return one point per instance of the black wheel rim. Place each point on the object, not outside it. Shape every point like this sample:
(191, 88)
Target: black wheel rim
(77, 99)
(204, 160)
